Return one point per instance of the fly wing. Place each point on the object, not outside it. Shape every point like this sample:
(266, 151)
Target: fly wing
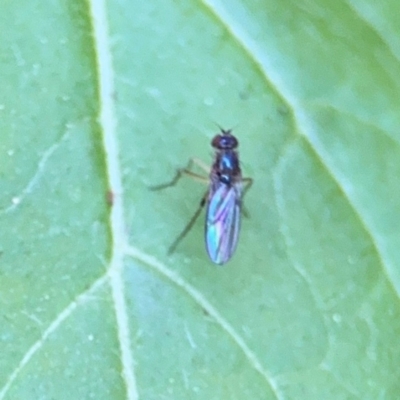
(223, 222)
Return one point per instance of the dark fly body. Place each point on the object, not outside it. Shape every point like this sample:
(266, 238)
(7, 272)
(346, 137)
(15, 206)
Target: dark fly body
(223, 198)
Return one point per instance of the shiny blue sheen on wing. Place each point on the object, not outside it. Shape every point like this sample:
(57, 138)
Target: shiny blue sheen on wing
(223, 222)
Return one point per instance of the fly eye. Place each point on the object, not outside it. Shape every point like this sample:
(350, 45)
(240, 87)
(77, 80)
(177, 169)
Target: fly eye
(216, 142)
(232, 142)
(224, 142)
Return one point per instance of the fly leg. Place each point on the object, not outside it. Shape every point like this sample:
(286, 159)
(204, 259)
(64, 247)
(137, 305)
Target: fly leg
(189, 224)
(188, 172)
(185, 171)
(247, 185)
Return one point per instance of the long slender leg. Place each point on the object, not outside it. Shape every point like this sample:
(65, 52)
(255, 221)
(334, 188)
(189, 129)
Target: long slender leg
(184, 171)
(201, 164)
(248, 182)
(189, 224)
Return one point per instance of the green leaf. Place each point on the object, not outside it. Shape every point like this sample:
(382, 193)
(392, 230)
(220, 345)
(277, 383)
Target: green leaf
(101, 100)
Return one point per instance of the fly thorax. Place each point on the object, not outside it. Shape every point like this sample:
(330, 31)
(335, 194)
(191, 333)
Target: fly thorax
(228, 162)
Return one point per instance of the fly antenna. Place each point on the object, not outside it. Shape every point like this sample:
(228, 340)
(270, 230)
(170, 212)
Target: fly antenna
(225, 131)
(219, 127)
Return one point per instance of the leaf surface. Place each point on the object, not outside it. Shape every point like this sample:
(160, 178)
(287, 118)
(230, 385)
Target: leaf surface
(101, 100)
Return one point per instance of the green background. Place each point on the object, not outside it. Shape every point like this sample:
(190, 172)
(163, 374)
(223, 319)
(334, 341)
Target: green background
(91, 306)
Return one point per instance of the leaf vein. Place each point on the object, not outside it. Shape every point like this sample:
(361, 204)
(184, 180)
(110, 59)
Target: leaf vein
(257, 54)
(80, 299)
(342, 185)
(298, 268)
(193, 293)
(18, 199)
(353, 6)
(392, 136)
(108, 125)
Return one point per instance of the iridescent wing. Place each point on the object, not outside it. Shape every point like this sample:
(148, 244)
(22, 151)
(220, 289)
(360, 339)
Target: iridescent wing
(223, 222)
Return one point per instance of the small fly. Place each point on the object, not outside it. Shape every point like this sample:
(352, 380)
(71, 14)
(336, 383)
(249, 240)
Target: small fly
(226, 188)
